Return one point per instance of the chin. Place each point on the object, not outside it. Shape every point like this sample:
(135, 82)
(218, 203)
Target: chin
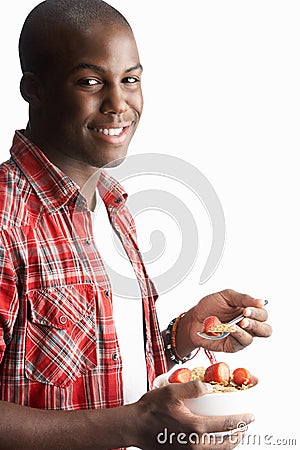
(110, 160)
(114, 163)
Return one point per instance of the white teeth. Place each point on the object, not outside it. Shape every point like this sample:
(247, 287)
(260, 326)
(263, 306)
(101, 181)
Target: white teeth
(109, 131)
(115, 131)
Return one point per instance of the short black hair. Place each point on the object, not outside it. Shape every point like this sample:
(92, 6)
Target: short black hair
(45, 18)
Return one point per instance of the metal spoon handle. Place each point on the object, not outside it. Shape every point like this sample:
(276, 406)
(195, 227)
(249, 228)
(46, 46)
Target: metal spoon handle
(236, 320)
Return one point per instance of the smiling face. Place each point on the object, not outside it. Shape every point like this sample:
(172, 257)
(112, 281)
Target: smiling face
(90, 100)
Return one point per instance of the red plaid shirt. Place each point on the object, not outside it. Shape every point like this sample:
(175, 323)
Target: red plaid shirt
(58, 342)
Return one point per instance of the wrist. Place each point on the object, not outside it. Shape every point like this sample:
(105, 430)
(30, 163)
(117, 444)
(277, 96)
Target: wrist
(178, 343)
(113, 427)
(137, 422)
(129, 427)
(184, 343)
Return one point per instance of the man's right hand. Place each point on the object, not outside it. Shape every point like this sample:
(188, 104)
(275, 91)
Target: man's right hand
(158, 420)
(163, 421)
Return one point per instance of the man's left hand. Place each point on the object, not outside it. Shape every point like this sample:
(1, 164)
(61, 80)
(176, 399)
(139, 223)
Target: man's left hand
(226, 305)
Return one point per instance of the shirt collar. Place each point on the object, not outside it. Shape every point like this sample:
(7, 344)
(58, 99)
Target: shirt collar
(111, 191)
(53, 187)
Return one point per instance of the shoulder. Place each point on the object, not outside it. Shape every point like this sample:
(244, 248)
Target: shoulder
(8, 178)
(13, 188)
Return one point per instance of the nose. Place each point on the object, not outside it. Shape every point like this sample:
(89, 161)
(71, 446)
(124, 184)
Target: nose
(114, 101)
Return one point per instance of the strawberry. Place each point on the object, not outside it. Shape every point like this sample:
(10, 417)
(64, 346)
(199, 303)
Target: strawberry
(210, 322)
(218, 373)
(241, 376)
(182, 375)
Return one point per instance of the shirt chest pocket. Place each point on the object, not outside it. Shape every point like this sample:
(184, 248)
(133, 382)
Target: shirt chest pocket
(60, 337)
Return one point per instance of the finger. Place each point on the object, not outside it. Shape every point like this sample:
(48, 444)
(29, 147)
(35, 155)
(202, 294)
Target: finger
(220, 441)
(219, 424)
(260, 314)
(192, 389)
(255, 328)
(240, 338)
(237, 299)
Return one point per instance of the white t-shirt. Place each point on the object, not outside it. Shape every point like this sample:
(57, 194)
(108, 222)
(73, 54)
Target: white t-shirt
(127, 312)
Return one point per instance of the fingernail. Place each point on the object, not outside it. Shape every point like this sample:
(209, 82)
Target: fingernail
(208, 387)
(248, 312)
(246, 323)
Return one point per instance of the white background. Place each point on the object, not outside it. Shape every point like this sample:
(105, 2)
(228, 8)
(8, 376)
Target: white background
(222, 91)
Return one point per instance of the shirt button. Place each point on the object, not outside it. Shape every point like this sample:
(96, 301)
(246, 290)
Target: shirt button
(117, 201)
(63, 320)
(88, 242)
(115, 356)
(106, 293)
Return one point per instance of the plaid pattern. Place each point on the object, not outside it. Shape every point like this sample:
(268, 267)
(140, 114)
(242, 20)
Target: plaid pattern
(58, 343)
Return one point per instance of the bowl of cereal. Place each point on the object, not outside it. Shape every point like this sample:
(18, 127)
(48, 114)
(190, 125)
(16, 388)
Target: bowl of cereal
(234, 392)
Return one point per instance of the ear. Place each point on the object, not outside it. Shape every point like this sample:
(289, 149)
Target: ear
(31, 89)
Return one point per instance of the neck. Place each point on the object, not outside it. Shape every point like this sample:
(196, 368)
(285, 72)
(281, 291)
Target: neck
(84, 175)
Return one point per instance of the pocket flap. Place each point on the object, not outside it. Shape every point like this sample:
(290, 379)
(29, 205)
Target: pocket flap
(61, 307)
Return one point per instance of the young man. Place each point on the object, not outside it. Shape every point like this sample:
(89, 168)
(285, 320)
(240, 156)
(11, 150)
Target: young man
(66, 379)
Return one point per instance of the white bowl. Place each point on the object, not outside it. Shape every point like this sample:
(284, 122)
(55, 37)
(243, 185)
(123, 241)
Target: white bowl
(219, 404)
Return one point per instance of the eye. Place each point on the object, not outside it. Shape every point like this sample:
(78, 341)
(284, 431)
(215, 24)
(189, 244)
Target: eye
(88, 82)
(131, 80)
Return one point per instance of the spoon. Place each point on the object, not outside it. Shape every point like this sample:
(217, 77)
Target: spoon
(226, 333)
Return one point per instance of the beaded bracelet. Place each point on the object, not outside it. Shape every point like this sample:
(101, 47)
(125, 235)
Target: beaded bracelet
(171, 343)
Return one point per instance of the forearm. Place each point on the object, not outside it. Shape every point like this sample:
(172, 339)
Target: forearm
(29, 429)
